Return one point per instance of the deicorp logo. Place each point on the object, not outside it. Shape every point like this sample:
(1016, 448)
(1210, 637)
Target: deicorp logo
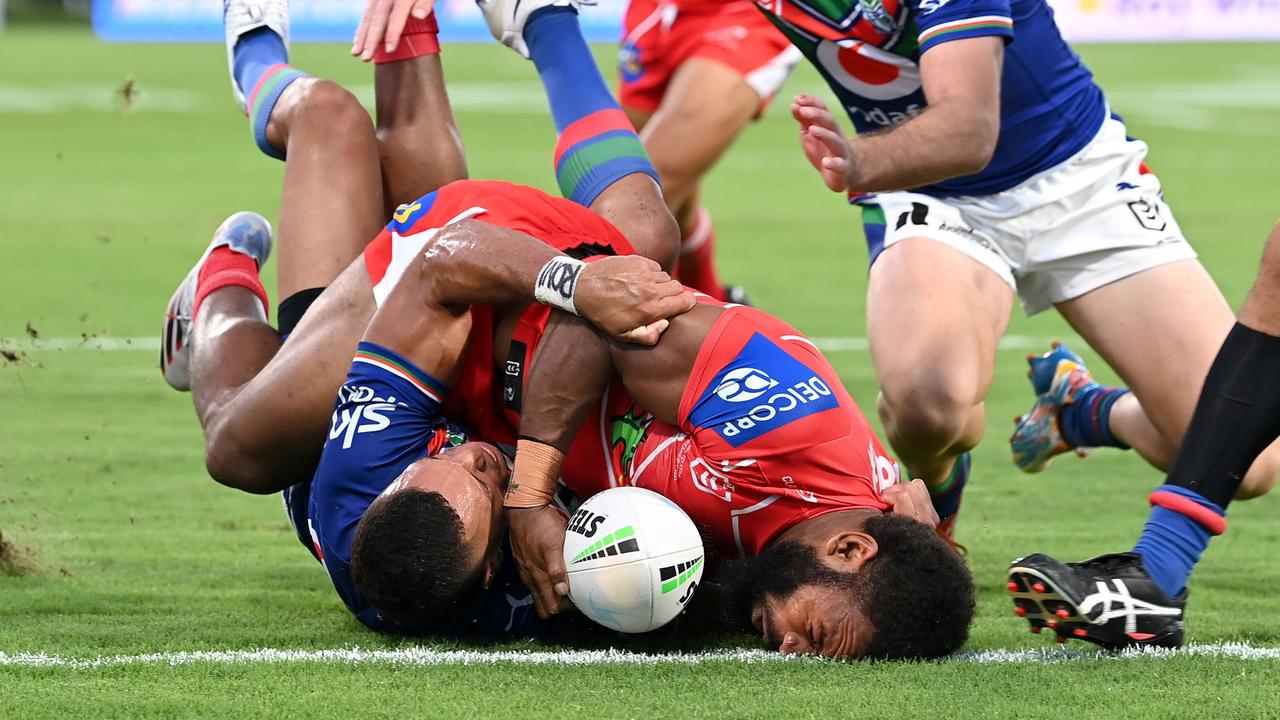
(760, 390)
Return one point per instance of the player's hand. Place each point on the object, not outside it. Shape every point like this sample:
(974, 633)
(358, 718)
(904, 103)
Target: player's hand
(824, 143)
(383, 22)
(630, 297)
(537, 541)
(912, 500)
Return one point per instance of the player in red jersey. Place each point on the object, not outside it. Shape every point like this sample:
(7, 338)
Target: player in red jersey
(750, 431)
(693, 74)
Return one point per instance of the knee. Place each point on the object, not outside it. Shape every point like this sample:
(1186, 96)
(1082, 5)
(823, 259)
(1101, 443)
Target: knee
(657, 238)
(229, 462)
(334, 105)
(925, 411)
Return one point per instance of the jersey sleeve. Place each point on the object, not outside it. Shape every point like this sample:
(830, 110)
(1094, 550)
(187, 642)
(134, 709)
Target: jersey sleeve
(387, 416)
(941, 21)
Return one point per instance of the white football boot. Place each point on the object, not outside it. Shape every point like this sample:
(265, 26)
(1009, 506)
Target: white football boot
(242, 16)
(506, 18)
(247, 233)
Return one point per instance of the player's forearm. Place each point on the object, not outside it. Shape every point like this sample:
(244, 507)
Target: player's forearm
(568, 375)
(945, 141)
(475, 263)
(565, 380)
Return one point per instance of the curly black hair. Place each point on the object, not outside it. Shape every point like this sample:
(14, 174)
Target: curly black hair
(916, 592)
(409, 560)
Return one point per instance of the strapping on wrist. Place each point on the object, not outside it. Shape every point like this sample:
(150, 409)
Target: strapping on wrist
(533, 480)
(557, 283)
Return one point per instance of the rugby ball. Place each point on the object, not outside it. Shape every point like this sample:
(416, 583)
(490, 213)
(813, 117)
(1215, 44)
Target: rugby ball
(634, 559)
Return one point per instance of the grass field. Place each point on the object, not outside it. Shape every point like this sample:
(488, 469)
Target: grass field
(124, 555)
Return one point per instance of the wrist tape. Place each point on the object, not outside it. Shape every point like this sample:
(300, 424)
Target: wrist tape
(532, 485)
(557, 282)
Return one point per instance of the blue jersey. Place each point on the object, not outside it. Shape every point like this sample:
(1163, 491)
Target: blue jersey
(388, 416)
(869, 52)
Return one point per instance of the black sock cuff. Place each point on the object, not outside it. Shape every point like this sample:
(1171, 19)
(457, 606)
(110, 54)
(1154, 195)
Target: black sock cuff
(291, 310)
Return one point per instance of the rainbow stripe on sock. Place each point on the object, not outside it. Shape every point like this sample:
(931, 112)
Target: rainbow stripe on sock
(263, 100)
(596, 151)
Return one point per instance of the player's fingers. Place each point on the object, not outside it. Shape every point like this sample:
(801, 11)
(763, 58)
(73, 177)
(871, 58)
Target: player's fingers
(677, 304)
(559, 578)
(375, 31)
(645, 334)
(357, 42)
(395, 24)
(834, 141)
(422, 8)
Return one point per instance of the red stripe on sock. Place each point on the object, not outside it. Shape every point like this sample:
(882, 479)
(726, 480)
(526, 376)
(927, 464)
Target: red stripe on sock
(227, 268)
(600, 121)
(420, 37)
(1208, 519)
(263, 80)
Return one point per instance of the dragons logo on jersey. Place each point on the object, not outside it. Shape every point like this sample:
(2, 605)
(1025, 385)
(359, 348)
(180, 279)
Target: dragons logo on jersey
(796, 392)
(625, 434)
(875, 13)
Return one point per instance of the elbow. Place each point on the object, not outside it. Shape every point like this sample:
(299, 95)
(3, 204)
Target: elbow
(977, 146)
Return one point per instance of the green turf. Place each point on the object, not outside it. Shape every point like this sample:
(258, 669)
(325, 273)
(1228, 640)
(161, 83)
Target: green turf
(132, 549)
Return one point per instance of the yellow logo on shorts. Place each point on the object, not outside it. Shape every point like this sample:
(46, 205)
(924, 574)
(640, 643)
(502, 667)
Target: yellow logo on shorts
(402, 213)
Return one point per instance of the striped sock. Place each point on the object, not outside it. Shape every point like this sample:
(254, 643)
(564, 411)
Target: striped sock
(1086, 422)
(261, 71)
(596, 144)
(946, 497)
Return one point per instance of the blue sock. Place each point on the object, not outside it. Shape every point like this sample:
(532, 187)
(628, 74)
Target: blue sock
(596, 144)
(946, 497)
(1086, 422)
(260, 69)
(1172, 542)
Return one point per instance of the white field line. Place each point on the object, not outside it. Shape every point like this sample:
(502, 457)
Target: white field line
(426, 657)
(152, 344)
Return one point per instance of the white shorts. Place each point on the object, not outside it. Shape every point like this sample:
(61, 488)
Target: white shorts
(1094, 219)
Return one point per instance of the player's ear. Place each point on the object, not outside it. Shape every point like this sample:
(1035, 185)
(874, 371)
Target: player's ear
(848, 551)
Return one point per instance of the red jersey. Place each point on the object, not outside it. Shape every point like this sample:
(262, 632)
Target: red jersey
(768, 438)
(482, 398)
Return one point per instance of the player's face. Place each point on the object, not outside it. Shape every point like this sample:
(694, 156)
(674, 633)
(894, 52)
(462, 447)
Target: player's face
(472, 478)
(812, 620)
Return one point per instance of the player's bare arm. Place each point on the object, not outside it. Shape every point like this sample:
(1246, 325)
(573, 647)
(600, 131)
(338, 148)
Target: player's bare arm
(472, 262)
(955, 135)
(572, 367)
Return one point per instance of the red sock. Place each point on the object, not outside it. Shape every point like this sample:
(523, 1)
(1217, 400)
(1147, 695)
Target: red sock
(695, 267)
(227, 268)
(420, 37)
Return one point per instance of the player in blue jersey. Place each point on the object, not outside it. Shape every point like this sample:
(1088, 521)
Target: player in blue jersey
(989, 165)
(266, 404)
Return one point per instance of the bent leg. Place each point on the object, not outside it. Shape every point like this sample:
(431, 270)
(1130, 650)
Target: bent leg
(1175, 319)
(706, 106)
(263, 429)
(934, 321)
(418, 140)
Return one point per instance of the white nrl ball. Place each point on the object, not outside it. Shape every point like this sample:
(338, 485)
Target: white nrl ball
(634, 559)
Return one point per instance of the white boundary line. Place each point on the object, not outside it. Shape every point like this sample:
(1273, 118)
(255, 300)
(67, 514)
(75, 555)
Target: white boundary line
(427, 657)
(152, 344)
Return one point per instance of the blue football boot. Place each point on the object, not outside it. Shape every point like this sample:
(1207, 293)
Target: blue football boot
(1057, 377)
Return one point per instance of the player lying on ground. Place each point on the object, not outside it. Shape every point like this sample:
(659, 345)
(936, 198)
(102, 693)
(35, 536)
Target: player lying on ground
(414, 540)
(988, 167)
(265, 407)
(1138, 597)
(749, 430)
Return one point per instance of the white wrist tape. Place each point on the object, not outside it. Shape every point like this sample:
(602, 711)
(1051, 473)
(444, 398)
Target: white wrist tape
(557, 282)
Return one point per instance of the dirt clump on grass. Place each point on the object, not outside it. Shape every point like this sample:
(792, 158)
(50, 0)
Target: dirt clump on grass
(15, 561)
